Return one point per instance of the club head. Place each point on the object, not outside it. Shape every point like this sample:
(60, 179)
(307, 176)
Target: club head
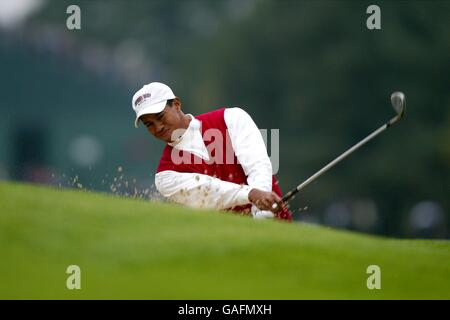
(398, 102)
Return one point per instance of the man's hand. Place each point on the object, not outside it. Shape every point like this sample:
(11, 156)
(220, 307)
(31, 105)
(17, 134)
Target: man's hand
(264, 200)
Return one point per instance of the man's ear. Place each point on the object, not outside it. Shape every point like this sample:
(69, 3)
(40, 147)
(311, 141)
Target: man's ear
(177, 103)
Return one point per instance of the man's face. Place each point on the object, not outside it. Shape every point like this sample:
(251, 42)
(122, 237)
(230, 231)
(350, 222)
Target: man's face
(162, 125)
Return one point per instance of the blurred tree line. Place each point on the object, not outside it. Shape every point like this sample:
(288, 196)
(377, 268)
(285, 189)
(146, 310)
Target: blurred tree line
(313, 70)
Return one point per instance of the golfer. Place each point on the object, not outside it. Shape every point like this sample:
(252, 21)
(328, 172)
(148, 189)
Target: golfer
(215, 160)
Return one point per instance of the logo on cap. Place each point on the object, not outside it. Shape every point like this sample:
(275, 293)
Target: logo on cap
(142, 99)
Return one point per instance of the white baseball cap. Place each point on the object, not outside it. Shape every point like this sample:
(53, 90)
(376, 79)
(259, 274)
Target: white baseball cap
(151, 98)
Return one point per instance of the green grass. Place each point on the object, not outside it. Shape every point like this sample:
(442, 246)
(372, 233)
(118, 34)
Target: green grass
(130, 249)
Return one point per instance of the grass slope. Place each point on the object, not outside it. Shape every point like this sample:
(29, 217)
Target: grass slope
(144, 250)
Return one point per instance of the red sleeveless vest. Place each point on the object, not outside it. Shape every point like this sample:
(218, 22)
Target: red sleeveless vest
(222, 167)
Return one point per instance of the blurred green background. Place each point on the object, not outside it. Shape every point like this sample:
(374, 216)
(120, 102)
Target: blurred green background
(309, 68)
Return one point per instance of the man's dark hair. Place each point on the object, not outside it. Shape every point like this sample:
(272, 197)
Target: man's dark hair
(169, 102)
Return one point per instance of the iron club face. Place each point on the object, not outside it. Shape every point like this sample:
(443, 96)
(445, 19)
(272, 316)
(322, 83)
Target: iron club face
(398, 102)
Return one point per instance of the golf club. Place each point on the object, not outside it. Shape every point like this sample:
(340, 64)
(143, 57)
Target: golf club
(398, 102)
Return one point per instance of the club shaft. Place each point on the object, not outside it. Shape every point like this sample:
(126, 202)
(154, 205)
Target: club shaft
(338, 159)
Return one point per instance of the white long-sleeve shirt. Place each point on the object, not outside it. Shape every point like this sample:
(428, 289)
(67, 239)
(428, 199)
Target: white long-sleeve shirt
(203, 191)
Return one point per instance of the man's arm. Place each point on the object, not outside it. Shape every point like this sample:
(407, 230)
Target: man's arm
(249, 148)
(201, 191)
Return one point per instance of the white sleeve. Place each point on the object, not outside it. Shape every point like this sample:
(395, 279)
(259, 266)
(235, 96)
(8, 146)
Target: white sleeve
(200, 191)
(249, 147)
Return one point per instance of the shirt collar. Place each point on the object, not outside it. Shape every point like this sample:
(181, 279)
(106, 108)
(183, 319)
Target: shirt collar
(194, 124)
